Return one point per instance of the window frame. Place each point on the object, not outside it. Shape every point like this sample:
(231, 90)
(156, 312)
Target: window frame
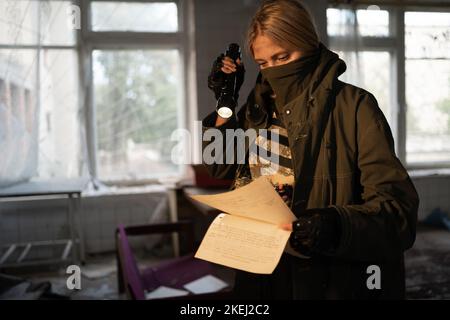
(181, 40)
(395, 45)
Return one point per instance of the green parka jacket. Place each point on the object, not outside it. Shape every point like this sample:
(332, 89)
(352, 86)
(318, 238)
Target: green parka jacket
(343, 156)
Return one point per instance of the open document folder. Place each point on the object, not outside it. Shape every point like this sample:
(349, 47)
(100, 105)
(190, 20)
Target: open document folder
(247, 236)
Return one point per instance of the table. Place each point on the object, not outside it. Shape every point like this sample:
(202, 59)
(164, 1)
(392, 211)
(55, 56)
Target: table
(49, 189)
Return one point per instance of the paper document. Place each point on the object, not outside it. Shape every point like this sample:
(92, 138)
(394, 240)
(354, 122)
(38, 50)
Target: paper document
(248, 237)
(206, 284)
(165, 292)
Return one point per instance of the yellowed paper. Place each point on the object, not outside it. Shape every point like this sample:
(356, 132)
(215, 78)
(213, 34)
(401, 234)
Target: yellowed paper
(249, 237)
(257, 200)
(244, 244)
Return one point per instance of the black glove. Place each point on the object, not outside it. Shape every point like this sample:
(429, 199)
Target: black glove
(285, 191)
(317, 231)
(216, 78)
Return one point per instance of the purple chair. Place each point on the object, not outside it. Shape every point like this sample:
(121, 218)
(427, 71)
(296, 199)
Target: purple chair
(173, 273)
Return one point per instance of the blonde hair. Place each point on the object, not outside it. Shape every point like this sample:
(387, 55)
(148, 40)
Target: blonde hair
(287, 23)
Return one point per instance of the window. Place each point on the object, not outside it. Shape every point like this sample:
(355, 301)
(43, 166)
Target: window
(137, 80)
(135, 17)
(427, 68)
(370, 22)
(137, 108)
(38, 85)
(405, 61)
(104, 106)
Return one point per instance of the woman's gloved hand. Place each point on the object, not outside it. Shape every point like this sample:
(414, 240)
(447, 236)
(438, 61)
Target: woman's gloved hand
(317, 231)
(221, 67)
(285, 191)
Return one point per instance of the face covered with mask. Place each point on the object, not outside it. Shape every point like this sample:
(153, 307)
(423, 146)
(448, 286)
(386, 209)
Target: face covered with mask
(284, 73)
(288, 79)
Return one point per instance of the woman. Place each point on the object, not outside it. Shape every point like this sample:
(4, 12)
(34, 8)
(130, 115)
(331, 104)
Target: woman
(355, 203)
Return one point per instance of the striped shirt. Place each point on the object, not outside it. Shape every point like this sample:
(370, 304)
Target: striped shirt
(271, 156)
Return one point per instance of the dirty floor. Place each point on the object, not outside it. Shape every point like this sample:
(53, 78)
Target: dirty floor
(427, 271)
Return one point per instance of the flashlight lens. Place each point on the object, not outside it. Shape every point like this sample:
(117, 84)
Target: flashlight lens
(225, 112)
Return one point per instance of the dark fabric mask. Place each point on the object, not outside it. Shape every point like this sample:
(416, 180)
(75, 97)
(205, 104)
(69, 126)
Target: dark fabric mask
(306, 75)
(289, 79)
